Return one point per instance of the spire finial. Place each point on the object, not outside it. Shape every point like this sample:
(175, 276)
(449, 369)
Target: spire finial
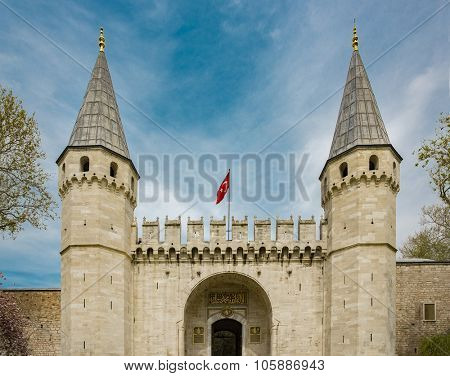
(355, 37)
(101, 40)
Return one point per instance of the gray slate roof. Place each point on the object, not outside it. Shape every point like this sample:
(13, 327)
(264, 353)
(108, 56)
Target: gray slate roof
(98, 122)
(359, 121)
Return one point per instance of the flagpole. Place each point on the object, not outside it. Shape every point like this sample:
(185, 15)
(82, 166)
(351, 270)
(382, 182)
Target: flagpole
(229, 204)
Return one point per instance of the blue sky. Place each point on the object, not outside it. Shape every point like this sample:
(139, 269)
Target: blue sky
(223, 76)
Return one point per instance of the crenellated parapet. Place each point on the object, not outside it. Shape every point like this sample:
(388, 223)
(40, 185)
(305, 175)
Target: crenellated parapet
(285, 246)
(371, 178)
(91, 179)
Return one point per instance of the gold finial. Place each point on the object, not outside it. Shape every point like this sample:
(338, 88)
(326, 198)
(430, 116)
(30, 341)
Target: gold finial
(101, 40)
(355, 37)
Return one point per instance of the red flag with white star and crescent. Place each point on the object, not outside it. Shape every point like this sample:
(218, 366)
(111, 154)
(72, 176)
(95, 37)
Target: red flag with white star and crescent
(223, 189)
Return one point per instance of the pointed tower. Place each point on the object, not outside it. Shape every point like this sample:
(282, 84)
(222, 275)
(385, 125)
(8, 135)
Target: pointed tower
(359, 186)
(97, 186)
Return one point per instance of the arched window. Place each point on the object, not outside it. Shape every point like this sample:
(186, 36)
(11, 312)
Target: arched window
(343, 168)
(64, 168)
(394, 166)
(132, 184)
(113, 169)
(84, 164)
(373, 163)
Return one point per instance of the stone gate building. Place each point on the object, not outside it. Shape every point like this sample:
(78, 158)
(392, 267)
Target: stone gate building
(124, 295)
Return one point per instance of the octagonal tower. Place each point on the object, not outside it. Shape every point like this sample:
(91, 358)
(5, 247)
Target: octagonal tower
(359, 186)
(97, 185)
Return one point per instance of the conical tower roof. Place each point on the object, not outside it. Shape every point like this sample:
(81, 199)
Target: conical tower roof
(359, 121)
(98, 122)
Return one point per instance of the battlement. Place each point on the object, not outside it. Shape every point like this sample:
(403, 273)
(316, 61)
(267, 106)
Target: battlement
(283, 245)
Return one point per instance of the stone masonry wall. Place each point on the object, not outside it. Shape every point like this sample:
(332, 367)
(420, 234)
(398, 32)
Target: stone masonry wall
(42, 312)
(419, 283)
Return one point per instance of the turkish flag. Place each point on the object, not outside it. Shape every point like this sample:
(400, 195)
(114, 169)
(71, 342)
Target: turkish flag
(223, 189)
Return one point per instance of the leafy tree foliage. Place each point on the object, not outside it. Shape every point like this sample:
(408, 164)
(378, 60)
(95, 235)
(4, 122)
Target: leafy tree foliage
(432, 241)
(13, 340)
(23, 195)
(436, 345)
(434, 156)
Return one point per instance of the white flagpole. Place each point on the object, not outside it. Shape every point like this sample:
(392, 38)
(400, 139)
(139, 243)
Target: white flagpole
(229, 204)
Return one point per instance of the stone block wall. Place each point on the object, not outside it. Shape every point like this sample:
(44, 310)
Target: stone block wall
(419, 283)
(42, 312)
(416, 282)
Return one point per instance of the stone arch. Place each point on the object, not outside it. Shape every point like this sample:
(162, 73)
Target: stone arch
(343, 169)
(373, 163)
(84, 164)
(227, 295)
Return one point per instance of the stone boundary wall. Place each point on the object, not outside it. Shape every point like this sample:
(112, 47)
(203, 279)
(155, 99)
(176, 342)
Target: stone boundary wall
(419, 283)
(41, 309)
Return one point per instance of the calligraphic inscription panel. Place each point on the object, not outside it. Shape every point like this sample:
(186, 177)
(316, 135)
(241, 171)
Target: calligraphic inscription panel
(255, 334)
(228, 298)
(198, 335)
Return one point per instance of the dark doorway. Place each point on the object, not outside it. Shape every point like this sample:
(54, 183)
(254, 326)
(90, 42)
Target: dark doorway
(226, 338)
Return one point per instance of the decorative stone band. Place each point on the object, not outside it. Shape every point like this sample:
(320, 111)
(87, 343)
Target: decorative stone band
(362, 246)
(96, 245)
(104, 182)
(373, 177)
(233, 253)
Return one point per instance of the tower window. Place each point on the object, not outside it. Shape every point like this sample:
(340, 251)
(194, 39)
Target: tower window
(132, 184)
(429, 312)
(394, 166)
(113, 169)
(64, 168)
(84, 164)
(373, 163)
(343, 168)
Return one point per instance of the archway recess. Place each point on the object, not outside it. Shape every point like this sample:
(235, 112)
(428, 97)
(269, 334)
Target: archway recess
(226, 338)
(235, 305)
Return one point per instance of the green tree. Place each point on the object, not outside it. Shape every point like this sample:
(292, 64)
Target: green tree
(23, 194)
(434, 156)
(438, 345)
(432, 241)
(13, 339)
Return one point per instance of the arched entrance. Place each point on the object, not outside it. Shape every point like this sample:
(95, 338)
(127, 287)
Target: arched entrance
(227, 314)
(226, 338)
